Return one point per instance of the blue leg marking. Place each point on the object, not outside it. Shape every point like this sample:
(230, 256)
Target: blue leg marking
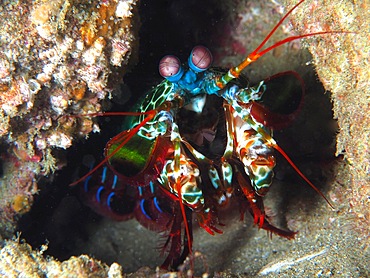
(143, 209)
(109, 198)
(104, 175)
(115, 179)
(86, 183)
(151, 187)
(98, 193)
(157, 205)
(140, 191)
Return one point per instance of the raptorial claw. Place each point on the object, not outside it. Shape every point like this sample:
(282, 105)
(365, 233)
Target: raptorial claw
(208, 221)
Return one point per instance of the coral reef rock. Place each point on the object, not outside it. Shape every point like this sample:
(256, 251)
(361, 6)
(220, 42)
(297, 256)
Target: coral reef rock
(57, 58)
(19, 260)
(342, 64)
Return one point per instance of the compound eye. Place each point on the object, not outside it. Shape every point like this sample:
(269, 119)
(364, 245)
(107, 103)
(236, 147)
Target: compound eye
(170, 68)
(200, 58)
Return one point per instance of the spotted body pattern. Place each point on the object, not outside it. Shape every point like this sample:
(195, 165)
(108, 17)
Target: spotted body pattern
(198, 140)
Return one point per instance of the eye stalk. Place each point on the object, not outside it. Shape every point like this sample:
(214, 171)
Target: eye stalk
(170, 68)
(200, 58)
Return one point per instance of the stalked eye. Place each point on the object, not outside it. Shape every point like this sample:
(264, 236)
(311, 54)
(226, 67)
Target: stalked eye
(200, 58)
(170, 68)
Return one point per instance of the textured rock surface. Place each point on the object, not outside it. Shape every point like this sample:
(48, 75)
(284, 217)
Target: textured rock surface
(57, 58)
(19, 260)
(342, 64)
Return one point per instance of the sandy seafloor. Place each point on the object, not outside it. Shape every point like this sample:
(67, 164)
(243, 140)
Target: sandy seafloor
(326, 245)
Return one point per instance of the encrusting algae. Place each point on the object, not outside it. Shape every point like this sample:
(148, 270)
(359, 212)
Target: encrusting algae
(18, 259)
(57, 58)
(342, 64)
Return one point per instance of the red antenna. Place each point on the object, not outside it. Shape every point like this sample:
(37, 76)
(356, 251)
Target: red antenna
(257, 53)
